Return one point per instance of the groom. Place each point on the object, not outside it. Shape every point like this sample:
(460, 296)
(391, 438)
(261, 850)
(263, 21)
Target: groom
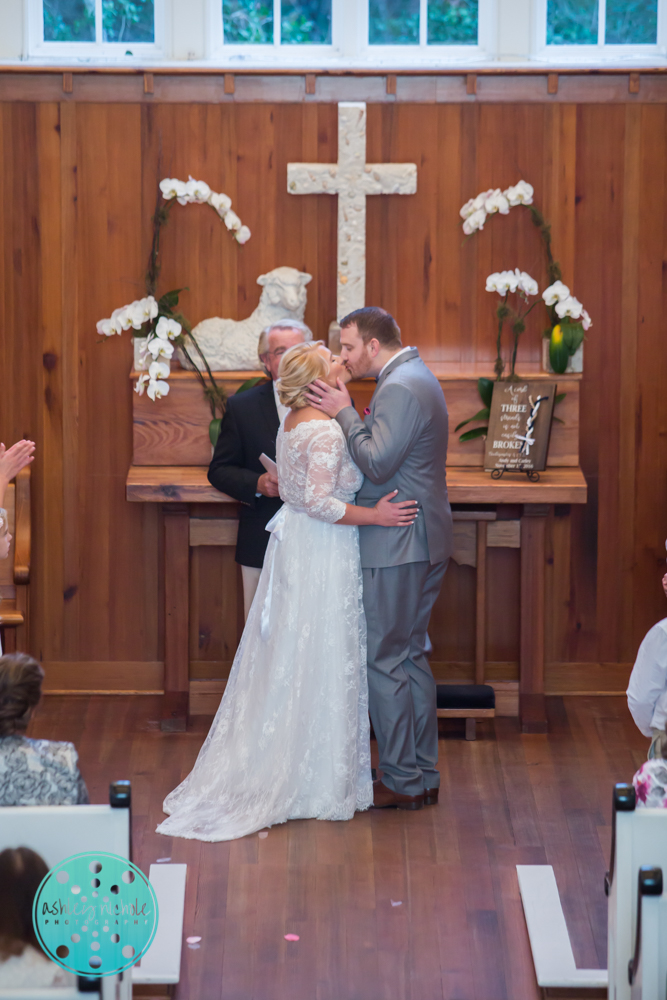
(401, 445)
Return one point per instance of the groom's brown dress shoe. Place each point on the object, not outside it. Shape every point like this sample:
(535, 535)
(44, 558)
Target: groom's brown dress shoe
(431, 796)
(384, 798)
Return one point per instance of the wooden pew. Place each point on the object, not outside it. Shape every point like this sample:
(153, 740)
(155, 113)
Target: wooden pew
(15, 570)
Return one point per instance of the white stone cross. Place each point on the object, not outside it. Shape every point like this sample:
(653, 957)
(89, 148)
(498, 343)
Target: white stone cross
(352, 179)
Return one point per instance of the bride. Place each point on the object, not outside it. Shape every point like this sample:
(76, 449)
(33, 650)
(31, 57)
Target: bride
(291, 738)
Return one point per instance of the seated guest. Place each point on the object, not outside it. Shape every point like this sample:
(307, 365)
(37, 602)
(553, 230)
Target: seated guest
(22, 962)
(250, 427)
(647, 690)
(650, 781)
(12, 460)
(32, 772)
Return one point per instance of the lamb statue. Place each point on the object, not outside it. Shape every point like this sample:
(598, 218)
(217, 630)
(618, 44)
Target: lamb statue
(231, 345)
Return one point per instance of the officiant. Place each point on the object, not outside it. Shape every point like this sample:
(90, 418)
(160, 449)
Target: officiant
(250, 427)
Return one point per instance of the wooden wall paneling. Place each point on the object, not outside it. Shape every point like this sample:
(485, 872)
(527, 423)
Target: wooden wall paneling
(470, 318)
(599, 278)
(259, 184)
(382, 267)
(416, 279)
(47, 583)
(648, 430)
(557, 199)
(109, 203)
(67, 606)
(558, 597)
(447, 246)
(628, 372)
(452, 628)
(503, 596)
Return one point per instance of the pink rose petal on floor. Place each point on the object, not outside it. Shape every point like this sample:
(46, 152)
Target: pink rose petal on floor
(263, 834)
(161, 861)
(193, 940)
(291, 937)
(400, 903)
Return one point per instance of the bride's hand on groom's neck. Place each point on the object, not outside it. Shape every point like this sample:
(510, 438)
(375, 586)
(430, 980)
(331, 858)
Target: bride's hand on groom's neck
(327, 398)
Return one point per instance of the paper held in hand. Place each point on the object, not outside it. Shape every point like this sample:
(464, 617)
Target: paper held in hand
(269, 465)
(519, 426)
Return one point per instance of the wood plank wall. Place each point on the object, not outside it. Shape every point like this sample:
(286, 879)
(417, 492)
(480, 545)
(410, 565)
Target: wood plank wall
(78, 188)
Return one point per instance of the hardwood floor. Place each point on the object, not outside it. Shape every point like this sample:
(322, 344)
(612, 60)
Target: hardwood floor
(390, 906)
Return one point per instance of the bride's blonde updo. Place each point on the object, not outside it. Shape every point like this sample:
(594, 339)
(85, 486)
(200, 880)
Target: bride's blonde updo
(300, 366)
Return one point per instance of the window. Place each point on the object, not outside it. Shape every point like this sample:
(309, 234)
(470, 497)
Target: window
(611, 29)
(351, 32)
(86, 29)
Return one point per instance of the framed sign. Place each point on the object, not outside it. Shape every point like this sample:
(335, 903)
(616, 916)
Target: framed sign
(519, 426)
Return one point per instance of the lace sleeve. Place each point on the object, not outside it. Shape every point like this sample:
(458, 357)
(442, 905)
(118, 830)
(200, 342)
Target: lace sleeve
(326, 451)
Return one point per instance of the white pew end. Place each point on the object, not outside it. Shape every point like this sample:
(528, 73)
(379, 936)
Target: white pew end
(162, 961)
(553, 957)
(58, 832)
(45, 993)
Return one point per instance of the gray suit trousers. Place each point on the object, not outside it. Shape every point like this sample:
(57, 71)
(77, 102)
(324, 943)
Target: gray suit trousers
(398, 601)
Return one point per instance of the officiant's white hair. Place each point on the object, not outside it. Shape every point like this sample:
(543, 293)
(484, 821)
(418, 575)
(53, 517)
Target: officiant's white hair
(300, 366)
(283, 324)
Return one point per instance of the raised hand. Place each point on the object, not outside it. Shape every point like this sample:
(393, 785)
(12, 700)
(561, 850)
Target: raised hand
(13, 459)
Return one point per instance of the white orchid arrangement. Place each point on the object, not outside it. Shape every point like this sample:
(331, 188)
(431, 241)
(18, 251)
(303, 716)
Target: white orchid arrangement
(568, 317)
(192, 192)
(494, 201)
(155, 319)
(506, 283)
(569, 321)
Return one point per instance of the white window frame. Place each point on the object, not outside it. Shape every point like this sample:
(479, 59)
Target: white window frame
(89, 52)
(349, 46)
(600, 53)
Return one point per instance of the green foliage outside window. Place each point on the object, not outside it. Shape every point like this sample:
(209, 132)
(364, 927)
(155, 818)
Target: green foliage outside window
(305, 22)
(393, 22)
(128, 21)
(248, 21)
(452, 22)
(572, 22)
(69, 20)
(631, 22)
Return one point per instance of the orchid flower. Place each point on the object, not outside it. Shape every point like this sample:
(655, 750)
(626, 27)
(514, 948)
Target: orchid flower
(232, 220)
(520, 194)
(158, 369)
(569, 307)
(157, 389)
(172, 188)
(159, 348)
(557, 292)
(220, 202)
(197, 191)
(168, 329)
(141, 385)
(474, 221)
(496, 202)
(243, 235)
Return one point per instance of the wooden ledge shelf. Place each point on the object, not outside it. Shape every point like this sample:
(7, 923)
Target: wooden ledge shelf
(189, 484)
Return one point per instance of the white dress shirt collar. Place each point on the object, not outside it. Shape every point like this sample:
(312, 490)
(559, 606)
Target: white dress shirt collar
(393, 358)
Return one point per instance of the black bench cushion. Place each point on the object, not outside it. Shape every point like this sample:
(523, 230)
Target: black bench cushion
(466, 696)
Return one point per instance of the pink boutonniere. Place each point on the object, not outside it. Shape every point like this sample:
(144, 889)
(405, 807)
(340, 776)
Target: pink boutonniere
(367, 411)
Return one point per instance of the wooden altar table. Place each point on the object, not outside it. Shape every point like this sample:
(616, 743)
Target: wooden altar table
(180, 489)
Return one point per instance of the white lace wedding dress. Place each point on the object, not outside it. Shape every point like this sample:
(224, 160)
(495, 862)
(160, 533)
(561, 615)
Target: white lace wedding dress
(291, 736)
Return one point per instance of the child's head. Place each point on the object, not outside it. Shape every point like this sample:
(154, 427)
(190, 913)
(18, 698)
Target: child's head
(5, 537)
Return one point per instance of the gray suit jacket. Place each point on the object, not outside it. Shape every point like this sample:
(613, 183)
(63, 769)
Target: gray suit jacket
(402, 445)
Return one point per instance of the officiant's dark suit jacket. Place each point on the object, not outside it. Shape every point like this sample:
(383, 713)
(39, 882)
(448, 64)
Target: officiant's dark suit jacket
(249, 427)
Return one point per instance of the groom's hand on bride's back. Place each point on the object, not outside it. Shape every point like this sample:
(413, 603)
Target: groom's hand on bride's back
(328, 399)
(395, 515)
